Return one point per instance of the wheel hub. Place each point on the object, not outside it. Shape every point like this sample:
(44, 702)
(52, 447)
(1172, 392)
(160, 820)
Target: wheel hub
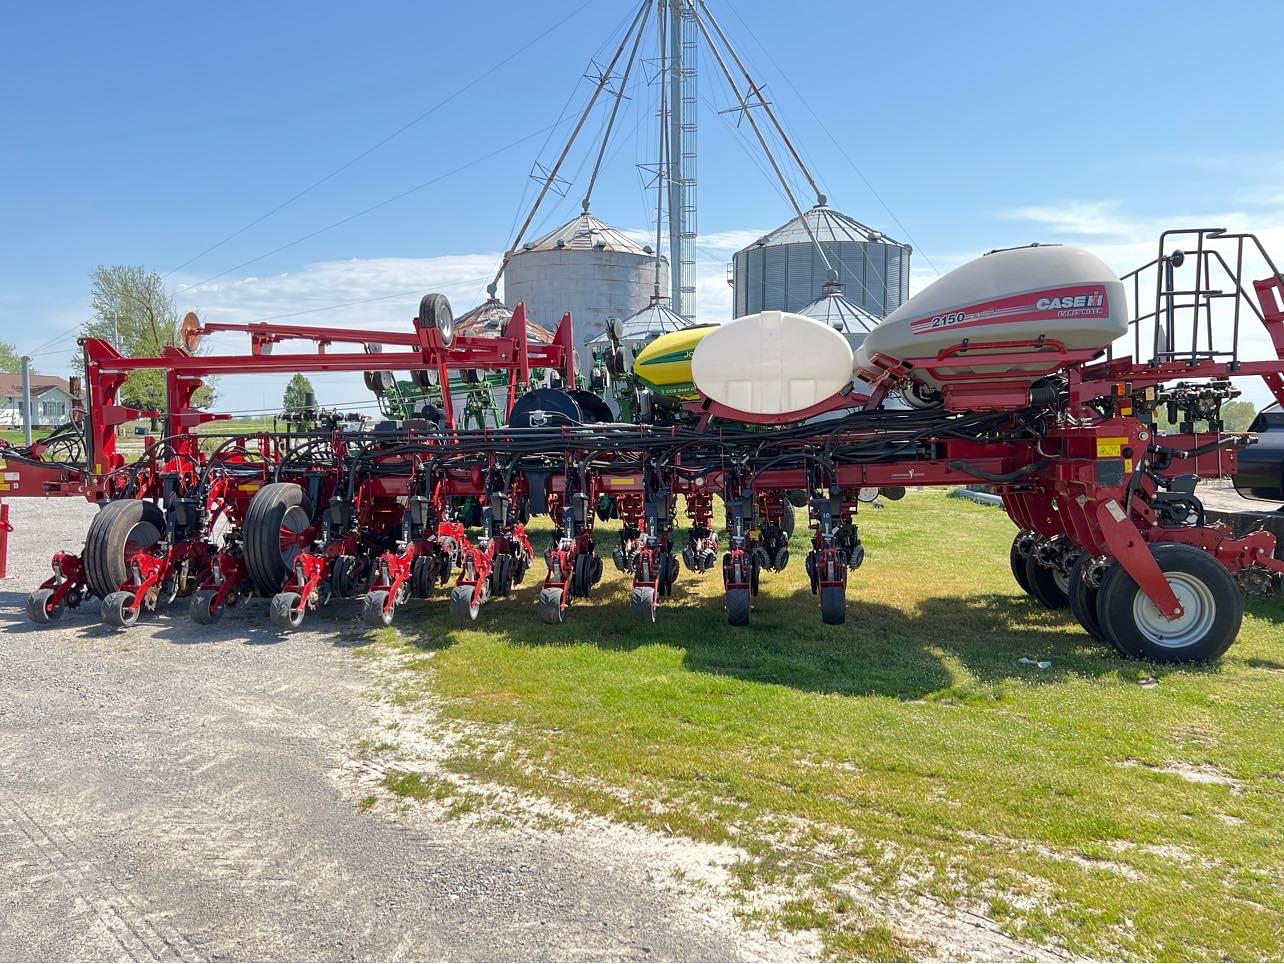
(1195, 622)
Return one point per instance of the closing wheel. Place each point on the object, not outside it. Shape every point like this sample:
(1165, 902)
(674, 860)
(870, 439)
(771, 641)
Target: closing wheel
(582, 580)
(119, 530)
(1212, 609)
(39, 609)
(737, 607)
(833, 605)
(642, 604)
(1017, 561)
(118, 610)
(462, 605)
(1048, 586)
(1082, 599)
(201, 608)
(550, 605)
(275, 530)
(375, 612)
(286, 610)
(501, 575)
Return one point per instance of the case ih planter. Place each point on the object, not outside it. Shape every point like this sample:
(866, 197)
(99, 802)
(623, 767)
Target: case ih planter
(1013, 374)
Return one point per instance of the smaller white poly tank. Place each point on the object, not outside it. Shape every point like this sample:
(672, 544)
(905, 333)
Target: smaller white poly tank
(772, 363)
(1019, 294)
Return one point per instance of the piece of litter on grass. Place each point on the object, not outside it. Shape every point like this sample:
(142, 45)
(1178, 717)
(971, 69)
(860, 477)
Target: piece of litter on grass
(1041, 663)
(1148, 681)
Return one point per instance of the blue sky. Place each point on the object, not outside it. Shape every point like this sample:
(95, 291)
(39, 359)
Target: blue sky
(145, 133)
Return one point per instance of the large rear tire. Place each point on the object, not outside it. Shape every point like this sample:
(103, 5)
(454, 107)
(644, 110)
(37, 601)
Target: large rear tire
(119, 529)
(1212, 602)
(276, 509)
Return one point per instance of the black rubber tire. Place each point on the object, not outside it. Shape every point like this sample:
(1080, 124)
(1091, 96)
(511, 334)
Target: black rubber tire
(423, 577)
(267, 565)
(104, 555)
(199, 609)
(116, 610)
(1017, 562)
(501, 575)
(582, 580)
(374, 612)
(462, 606)
(1082, 599)
(1187, 566)
(550, 605)
(788, 519)
(755, 574)
(434, 312)
(833, 605)
(343, 582)
(1044, 587)
(641, 604)
(738, 607)
(38, 608)
(286, 611)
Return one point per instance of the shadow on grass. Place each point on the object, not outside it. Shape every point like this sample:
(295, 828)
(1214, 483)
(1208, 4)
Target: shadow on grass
(945, 648)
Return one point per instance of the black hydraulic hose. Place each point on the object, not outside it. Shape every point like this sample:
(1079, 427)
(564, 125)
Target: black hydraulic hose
(1222, 443)
(998, 478)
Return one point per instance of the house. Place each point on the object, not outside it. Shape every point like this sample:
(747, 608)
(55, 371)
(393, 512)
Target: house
(51, 400)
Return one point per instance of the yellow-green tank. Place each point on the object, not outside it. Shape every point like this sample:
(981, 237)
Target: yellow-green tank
(664, 366)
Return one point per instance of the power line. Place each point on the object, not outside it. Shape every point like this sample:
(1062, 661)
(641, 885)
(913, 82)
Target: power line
(842, 150)
(373, 207)
(500, 64)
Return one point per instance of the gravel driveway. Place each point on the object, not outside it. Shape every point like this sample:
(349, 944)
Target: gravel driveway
(181, 792)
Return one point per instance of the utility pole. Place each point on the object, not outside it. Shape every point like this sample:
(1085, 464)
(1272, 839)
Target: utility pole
(26, 398)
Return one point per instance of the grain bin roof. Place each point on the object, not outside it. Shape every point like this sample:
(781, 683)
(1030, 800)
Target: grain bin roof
(488, 319)
(654, 320)
(827, 224)
(584, 232)
(833, 309)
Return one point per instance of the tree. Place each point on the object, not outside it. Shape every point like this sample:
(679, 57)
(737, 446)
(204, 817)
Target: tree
(296, 394)
(1238, 415)
(9, 358)
(133, 310)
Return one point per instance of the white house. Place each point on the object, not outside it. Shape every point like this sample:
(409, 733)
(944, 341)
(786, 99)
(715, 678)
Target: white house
(51, 400)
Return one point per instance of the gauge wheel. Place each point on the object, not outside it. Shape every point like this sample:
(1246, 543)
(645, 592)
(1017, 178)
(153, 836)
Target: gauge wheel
(1212, 609)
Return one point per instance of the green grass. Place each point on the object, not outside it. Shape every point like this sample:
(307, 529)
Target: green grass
(905, 753)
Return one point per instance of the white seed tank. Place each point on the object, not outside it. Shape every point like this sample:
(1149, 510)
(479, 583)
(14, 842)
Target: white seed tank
(1059, 293)
(772, 363)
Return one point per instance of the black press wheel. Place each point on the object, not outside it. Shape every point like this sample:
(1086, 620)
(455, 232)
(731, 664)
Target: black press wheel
(1082, 599)
(501, 575)
(278, 514)
(118, 530)
(833, 605)
(118, 611)
(1048, 586)
(286, 611)
(1213, 609)
(462, 605)
(1017, 560)
(550, 605)
(737, 607)
(39, 608)
(201, 608)
(375, 612)
(642, 604)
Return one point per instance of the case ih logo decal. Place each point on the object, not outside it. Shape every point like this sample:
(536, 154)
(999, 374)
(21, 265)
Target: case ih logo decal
(1077, 301)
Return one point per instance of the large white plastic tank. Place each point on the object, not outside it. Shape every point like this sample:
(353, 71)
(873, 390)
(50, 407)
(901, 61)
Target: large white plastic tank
(772, 363)
(1018, 294)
